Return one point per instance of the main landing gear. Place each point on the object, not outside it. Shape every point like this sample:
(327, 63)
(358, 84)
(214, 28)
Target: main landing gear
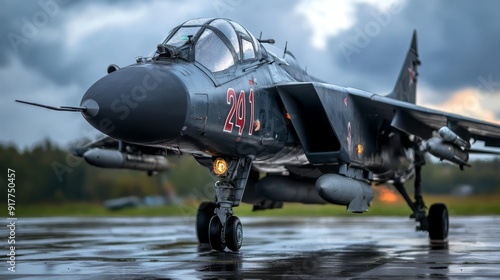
(437, 222)
(215, 222)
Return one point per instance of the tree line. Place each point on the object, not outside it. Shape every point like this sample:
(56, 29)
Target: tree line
(49, 173)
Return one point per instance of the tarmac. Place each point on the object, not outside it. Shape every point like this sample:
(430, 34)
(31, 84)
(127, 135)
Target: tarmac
(351, 247)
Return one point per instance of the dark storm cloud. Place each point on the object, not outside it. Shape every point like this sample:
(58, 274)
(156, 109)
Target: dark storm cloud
(23, 24)
(29, 29)
(458, 43)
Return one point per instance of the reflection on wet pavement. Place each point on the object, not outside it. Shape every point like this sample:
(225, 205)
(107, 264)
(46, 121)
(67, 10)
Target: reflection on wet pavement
(291, 248)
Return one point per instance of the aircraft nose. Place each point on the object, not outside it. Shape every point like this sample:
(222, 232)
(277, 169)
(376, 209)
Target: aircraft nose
(140, 103)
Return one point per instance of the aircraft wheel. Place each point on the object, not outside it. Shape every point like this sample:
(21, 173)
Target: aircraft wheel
(438, 223)
(203, 216)
(234, 233)
(216, 234)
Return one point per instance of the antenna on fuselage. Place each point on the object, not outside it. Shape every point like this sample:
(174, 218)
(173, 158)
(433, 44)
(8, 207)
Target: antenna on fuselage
(286, 47)
(269, 41)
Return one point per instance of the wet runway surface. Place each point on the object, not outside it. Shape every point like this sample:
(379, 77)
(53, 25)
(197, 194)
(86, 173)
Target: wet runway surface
(281, 248)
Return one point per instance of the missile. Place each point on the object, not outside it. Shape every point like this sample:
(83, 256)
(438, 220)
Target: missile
(445, 150)
(107, 158)
(286, 189)
(337, 189)
(449, 136)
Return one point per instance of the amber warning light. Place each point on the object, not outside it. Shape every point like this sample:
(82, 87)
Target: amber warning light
(220, 166)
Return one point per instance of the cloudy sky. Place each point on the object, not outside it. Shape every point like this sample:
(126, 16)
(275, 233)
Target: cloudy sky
(53, 51)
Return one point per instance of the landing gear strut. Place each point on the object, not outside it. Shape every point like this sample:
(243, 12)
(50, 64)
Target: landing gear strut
(224, 229)
(436, 223)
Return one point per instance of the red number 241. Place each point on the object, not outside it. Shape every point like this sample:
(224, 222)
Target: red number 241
(238, 107)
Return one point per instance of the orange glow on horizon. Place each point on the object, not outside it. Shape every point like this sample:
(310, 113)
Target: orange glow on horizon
(468, 102)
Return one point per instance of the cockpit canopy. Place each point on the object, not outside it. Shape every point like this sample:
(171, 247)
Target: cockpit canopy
(218, 43)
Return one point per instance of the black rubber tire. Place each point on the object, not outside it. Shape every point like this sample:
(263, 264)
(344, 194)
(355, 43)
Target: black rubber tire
(234, 233)
(203, 216)
(438, 223)
(216, 234)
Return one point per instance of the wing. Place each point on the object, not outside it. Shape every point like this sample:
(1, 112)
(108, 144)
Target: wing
(421, 121)
(330, 121)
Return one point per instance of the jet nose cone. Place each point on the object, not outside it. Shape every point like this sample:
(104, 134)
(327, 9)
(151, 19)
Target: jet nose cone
(140, 103)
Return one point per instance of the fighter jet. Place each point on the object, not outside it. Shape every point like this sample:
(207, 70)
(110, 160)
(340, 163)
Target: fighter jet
(243, 108)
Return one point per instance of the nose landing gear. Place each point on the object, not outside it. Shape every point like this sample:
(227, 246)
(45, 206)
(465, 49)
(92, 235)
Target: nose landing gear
(223, 229)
